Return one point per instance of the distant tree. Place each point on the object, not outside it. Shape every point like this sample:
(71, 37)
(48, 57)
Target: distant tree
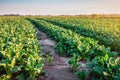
(11, 14)
(95, 15)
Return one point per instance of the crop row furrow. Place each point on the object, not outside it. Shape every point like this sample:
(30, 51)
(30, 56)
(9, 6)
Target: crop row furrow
(101, 60)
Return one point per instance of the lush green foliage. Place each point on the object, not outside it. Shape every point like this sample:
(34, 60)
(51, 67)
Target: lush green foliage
(18, 49)
(105, 67)
(70, 43)
(105, 30)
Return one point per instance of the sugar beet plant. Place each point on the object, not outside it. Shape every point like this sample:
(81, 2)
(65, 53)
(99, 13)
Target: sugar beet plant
(19, 50)
(74, 63)
(105, 68)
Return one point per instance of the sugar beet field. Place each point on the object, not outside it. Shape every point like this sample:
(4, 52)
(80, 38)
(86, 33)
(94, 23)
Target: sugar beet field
(59, 48)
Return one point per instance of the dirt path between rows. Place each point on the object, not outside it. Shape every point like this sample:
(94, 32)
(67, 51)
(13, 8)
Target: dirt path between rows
(60, 70)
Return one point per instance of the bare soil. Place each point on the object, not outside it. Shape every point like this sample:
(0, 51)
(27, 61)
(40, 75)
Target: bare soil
(59, 70)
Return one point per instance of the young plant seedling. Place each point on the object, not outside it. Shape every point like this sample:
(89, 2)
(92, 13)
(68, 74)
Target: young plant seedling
(74, 63)
(49, 58)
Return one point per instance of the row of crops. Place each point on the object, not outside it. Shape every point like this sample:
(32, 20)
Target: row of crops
(19, 58)
(79, 38)
(104, 30)
(103, 63)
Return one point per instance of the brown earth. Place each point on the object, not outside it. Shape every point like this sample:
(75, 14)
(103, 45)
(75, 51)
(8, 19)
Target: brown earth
(59, 70)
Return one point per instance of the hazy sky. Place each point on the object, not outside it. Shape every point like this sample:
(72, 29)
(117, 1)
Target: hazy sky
(59, 7)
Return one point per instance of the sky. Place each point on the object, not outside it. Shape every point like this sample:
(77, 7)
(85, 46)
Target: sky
(59, 7)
